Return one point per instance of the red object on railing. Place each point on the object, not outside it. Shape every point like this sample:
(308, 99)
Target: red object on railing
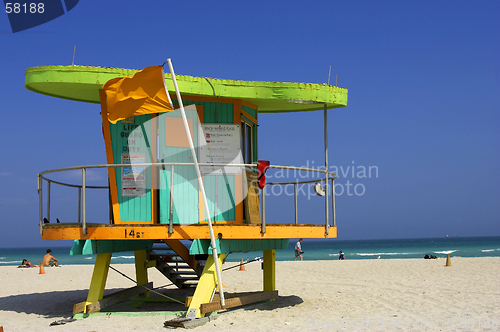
(262, 166)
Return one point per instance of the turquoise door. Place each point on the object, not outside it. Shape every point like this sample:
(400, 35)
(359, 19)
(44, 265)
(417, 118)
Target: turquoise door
(173, 147)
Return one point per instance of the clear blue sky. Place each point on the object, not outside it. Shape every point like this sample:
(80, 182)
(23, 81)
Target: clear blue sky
(423, 80)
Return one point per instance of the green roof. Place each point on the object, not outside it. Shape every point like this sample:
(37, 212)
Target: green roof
(82, 83)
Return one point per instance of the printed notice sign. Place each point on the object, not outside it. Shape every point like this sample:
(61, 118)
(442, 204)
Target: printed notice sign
(133, 178)
(220, 143)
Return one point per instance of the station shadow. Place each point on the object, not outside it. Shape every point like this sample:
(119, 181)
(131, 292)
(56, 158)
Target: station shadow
(279, 303)
(60, 303)
(48, 304)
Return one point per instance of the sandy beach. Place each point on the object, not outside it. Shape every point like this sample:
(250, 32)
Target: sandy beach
(396, 294)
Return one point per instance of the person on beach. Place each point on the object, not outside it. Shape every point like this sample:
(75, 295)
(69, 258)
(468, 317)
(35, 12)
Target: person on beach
(25, 263)
(341, 256)
(49, 260)
(298, 250)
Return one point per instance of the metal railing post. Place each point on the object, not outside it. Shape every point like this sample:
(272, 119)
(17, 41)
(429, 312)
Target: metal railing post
(110, 205)
(171, 214)
(333, 202)
(40, 204)
(84, 217)
(48, 200)
(263, 224)
(295, 195)
(79, 203)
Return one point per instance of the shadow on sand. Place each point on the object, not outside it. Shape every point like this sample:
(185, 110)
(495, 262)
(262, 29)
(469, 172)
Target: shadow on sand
(60, 303)
(280, 302)
(49, 304)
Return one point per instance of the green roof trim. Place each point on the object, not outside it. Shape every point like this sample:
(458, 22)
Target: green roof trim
(82, 83)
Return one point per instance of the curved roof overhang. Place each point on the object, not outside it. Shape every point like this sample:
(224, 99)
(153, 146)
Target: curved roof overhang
(82, 83)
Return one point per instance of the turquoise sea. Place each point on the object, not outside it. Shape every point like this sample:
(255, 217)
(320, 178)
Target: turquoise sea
(317, 249)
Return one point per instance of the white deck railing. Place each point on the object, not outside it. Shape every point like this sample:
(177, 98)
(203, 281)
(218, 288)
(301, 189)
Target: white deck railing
(82, 189)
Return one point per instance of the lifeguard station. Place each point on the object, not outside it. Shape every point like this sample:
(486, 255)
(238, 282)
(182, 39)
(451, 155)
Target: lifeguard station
(154, 196)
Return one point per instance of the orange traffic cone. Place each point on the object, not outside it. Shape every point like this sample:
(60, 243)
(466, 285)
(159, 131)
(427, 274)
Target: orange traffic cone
(1, 328)
(217, 288)
(448, 260)
(42, 270)
(242, 267)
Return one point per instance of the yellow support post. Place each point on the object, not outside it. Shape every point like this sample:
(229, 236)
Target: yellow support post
(206, 285)
(99, 277)
(141, 271)
(269, 271)
(150, 264)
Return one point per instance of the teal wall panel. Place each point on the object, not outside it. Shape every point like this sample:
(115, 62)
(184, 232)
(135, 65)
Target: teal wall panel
(185, 193)
(218, 112)
(186, 190)
(249, 110)
(225, 192)
(134, 139)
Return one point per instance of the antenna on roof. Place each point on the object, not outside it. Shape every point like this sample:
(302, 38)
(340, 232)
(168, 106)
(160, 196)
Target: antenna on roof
(74, 50)
(329, 72)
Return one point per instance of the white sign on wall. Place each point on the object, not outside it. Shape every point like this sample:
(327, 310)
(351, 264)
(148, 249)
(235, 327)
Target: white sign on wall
(220, 143)
(133, 177)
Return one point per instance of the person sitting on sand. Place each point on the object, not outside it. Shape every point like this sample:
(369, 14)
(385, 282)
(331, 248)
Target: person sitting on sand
(341, 256)
(49, 260)
(25, 263)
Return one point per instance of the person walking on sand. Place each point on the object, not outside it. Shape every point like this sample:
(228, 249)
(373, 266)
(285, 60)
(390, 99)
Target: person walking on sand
(341, 256)
(49, 260)
(298, 250)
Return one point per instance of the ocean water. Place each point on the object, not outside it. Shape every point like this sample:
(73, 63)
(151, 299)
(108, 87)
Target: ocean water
(328, 249)
(314, 249)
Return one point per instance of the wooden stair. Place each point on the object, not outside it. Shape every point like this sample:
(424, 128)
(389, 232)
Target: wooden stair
(173, 266)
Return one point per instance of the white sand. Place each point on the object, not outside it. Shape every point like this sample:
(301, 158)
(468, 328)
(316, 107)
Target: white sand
(396, 294)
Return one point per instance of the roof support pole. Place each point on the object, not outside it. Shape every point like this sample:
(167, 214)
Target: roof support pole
(327, 226)
(200, 183)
